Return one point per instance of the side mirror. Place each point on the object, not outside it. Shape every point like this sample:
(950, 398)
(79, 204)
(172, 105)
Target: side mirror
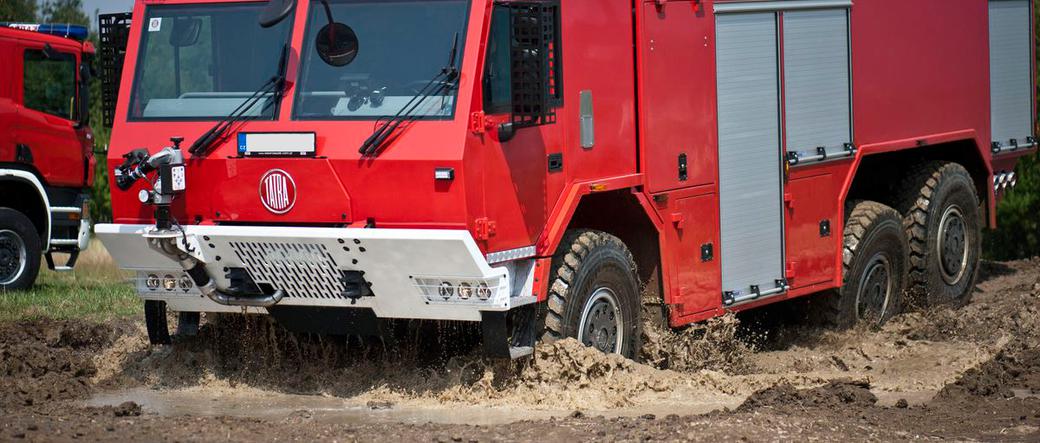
(506, 132)
(337, 44)
(275, 12)
(185, 32)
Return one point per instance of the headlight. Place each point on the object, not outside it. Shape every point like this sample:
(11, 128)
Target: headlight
(152, 282)
(446, 290)
(465, 291)
(186, 283)
(169, 283)
(483, 291)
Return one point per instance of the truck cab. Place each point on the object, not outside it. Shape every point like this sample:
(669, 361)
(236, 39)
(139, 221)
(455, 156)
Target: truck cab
(46, 148)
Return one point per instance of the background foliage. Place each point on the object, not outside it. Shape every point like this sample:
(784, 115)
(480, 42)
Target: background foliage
(1018, 213)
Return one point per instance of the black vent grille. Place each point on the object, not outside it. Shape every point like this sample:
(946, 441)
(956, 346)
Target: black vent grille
(114, 34)
(536, 56)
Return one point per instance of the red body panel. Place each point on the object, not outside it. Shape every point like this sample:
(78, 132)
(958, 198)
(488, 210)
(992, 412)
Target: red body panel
(919, 73)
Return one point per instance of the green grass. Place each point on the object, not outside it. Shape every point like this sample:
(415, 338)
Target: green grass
(96, 290)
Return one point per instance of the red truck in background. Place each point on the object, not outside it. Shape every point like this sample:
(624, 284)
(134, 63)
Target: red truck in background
(46, 148)
(561, 168)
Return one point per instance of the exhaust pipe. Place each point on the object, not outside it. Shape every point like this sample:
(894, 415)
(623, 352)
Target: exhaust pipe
(196, 269)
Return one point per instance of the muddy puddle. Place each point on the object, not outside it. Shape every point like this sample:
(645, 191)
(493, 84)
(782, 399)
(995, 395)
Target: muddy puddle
(946, 362)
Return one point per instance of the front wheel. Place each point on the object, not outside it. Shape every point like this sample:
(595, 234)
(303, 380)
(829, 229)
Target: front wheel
(19, 251)
(594, 296)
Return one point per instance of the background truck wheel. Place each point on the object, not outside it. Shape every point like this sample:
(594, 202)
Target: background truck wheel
(874, 261)
(594, 295)
(941, 217)
(19, 251)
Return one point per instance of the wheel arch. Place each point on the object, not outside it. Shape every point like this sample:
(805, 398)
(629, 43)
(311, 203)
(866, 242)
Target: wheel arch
(22, 191)
(877, 174)
(623, 212)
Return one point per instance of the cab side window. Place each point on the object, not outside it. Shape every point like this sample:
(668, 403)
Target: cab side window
(497, 78)
(49, 84)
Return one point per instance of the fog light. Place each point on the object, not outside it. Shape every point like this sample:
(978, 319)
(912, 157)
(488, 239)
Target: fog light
(483, 291)
(152, 282)
(465, 291)
(169, 283)
(446, 290)
(186, 283)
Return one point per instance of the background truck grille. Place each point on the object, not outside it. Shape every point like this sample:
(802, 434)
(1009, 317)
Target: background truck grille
(302, 270)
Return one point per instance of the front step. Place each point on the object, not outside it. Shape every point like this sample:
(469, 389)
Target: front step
(67, 267)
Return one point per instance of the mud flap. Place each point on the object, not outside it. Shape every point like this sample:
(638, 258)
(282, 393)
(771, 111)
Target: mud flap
(330, 321)
(509, 334)
(155, 322)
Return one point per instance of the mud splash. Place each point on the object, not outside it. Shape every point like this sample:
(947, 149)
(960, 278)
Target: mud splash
(713, 345)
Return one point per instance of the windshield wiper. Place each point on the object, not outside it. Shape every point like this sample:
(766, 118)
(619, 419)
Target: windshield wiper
(275, 86)
(444, 79)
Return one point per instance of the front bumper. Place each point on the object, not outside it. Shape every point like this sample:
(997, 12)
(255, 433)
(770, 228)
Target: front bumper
(410, 270)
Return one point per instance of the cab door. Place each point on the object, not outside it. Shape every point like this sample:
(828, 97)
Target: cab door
(45, 128)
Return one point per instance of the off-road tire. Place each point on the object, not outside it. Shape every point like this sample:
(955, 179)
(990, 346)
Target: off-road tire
(14, 224)
(872, 230)
(586, 262)
(930, 191)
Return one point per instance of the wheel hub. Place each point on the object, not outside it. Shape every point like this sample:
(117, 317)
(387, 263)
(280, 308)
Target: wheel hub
(12, 256)
(952, 245)
(600, 325)
(875, 289)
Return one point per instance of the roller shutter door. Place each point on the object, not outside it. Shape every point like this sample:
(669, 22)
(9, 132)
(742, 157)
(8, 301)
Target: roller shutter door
(750, 191)
(816, 81)
(1011, 88)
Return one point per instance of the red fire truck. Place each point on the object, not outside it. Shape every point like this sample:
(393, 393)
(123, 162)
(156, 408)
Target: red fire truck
(46, 148)
(562, 168)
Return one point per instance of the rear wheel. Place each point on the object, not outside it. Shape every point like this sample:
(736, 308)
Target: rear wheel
(19, 251)
(594, 296)
(942, 220)
(874, 261)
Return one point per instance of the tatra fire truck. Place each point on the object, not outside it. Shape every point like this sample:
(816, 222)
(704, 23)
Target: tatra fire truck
(561, 168)
(46, 148)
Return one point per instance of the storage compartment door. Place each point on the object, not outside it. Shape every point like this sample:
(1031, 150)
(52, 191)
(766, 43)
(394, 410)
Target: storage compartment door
(1011, 85)
(750, 191)
(816, 82)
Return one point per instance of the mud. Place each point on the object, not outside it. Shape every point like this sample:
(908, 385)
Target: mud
(972, 373)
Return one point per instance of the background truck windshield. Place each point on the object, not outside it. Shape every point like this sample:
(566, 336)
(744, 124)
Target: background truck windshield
(402, 45)
(202, 61)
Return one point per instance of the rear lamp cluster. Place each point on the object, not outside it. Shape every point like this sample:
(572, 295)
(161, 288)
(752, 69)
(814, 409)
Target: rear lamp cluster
(168, 282)
(1004, 180)
(438, 290)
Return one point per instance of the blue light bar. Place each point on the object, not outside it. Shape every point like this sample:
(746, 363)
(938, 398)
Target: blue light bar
(61, 30)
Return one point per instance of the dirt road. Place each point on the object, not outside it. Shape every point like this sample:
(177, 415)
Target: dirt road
(968, 374)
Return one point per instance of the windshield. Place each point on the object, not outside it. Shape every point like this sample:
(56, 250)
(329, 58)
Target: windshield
(401, 45)
(200, 62)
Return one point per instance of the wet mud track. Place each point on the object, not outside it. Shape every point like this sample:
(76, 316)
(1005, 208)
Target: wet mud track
(967, 374)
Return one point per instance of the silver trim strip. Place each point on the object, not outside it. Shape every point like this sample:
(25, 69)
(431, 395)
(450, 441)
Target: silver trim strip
(1009, 148)
(511, 254)
(777, 5)
(66, 210)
